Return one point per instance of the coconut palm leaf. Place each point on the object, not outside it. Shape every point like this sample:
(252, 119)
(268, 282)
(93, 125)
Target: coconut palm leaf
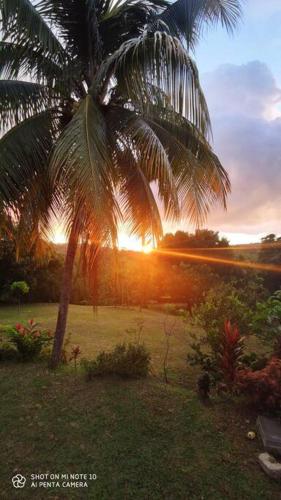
(200, 178)
(137, 200)
(81, 162)
(17, 61)
(157, 61)
(23, 25)
(150, 156)
(186, 19)
(19, 100)
(24, 151)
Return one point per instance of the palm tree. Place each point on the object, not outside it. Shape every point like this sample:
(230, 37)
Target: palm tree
(101, 108)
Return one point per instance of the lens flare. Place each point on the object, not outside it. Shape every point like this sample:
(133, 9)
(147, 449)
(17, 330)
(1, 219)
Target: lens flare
(217, 260)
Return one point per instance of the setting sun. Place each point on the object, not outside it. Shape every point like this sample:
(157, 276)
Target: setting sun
(58, 234)
(147, 248)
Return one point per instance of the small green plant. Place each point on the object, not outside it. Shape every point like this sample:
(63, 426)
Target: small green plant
(29, 339)
(19, 289)
(126, 360)
(267, 322)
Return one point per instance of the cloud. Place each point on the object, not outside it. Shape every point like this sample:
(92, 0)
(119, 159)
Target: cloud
(243, 101)
(249, 89)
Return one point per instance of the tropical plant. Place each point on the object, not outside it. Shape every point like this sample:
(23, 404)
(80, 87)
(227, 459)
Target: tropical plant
(19, 289)
(99, 99)
(29, 339)
(230, 351)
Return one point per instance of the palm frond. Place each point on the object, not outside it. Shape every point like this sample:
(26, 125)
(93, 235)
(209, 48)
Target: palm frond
(135, 135)
(81, 163)
(24, 25)
(157, 60)
(186, 19)
(20, 100)
(16, 60)
(137, 200)
(24, 152)
(200, 178)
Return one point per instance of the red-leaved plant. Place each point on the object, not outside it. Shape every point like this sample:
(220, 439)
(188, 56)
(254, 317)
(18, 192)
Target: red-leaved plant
(262, 387)
(230, 350)
(29, 339)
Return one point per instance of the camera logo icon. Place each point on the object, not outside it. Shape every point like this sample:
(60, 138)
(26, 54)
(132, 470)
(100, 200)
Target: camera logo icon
(18, 481)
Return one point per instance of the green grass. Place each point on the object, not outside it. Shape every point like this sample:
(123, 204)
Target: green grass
(103, 330)
(143, 439)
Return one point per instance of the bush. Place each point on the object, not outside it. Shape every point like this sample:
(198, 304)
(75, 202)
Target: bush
(223, 357)
(263, 387)
(126, 360)
(29, 339)
(267, 322)
(220, 303)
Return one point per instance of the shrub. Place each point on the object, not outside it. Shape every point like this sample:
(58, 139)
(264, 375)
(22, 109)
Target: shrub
(220, 303)
(267, 322)
(126, 360)
(29, 339)
(263, 387)
(220, 355)
(230, 350)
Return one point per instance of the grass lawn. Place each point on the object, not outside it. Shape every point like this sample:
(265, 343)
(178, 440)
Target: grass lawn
(99, 331)
(143, 439)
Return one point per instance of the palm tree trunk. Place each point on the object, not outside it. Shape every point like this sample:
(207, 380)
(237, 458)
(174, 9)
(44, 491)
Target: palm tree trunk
(64, 298)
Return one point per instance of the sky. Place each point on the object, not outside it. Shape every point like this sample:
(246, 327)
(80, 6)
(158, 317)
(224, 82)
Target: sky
(241, 78)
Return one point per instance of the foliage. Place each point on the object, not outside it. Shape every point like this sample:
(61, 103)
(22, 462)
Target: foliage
(43, 277)
(254, 361)
(219, 354)
(222, 301)
(20, 287)
(267, 322)
(29, 339)
(270, 253)
(126, 360)
(263, 387)
(202, 238)
(230, 350)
